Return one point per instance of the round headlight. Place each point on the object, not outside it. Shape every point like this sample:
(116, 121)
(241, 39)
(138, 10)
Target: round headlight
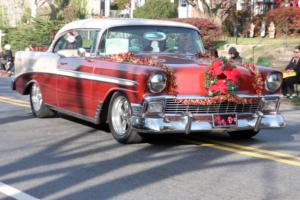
(273, 82)
(157, 82)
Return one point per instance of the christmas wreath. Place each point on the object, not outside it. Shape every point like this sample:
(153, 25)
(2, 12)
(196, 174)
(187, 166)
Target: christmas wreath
(222, 78)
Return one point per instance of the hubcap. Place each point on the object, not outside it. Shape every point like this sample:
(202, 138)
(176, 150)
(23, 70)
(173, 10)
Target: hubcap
(121, 114)
(36, 97)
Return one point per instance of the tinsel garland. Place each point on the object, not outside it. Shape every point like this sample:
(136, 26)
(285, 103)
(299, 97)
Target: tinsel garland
(172, 85)
(217, 100)
(131, 58)
(258, 83)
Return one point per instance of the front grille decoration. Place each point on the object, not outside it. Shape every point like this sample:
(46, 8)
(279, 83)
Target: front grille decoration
(172, 106)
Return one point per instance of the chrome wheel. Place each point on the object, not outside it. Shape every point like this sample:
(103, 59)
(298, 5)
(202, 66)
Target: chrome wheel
(120, 116)
(36, 97)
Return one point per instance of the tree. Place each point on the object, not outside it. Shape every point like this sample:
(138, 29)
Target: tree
(121, 4)
(218, 10)
(156, 9)
(61, 4)
(37, 5)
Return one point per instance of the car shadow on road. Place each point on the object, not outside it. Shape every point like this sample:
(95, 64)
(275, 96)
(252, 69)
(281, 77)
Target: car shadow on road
(72, 167)
(173, 162)
(14, 119)
(175, 158)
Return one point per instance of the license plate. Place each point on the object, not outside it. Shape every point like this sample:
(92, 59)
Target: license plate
(224, 120)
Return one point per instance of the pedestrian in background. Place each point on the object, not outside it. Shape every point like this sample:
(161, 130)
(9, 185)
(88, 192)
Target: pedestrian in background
(2, 63)
(213, 53)
(291, 75)
(8, 58)
(234, 55)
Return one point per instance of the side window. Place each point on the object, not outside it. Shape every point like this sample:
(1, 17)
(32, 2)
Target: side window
(77, 43)
(117, 41)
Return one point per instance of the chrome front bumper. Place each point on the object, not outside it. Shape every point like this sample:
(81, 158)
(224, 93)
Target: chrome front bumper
(187, 122)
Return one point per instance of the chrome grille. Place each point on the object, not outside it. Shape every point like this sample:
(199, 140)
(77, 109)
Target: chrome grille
(172, 107)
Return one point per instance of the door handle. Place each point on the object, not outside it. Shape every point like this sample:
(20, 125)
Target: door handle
(64, 63)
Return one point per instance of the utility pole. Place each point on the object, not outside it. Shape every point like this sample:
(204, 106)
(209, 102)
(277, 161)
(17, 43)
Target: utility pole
(132, 7)
(107, 8)
(1, 35)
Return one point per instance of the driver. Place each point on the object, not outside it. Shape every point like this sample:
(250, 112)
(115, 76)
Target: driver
(72, 41)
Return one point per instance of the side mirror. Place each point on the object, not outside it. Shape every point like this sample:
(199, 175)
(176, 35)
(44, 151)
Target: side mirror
(81, 52)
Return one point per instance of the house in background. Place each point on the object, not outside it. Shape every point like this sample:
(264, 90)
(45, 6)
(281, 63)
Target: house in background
(12, 11)
(258, 7)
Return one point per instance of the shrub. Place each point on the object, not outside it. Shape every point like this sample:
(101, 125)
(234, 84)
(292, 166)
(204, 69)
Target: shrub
(284, 18)
(156, 9)
(263, 61)
(40, 33)
(208, 29)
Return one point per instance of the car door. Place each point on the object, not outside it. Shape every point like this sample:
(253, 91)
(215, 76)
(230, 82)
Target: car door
(75, 69)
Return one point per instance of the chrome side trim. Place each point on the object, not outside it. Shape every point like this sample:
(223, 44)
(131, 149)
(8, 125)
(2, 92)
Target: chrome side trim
(97, 77)
(87, 76)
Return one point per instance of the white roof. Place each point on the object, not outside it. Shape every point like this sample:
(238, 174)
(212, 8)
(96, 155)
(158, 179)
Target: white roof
(112, 22)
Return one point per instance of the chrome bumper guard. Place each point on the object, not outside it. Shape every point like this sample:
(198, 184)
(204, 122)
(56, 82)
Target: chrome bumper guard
(187, 122)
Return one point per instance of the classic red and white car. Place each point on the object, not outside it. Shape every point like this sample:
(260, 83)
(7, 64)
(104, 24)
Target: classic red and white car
(147, 76)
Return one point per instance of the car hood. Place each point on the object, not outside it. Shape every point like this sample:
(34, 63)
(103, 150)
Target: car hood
(190, 74)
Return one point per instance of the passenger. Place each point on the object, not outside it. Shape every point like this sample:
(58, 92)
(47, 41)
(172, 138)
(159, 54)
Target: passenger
(72, 41)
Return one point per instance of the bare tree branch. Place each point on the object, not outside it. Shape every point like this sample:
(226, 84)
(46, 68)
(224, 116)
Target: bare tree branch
(213, 8)
(40, 3)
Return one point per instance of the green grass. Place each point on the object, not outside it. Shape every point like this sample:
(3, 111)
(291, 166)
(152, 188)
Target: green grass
(257, 41)
(264, 60)
(266, 52)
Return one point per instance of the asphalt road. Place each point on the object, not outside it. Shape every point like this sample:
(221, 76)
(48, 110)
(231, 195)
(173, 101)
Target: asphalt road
(63, 158)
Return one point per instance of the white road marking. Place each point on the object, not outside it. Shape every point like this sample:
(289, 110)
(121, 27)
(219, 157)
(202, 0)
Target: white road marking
(15, 193)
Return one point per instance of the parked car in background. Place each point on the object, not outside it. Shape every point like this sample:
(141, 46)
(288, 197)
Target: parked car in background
(146, 77)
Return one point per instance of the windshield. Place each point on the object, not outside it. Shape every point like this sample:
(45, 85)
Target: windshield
(151, 39)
